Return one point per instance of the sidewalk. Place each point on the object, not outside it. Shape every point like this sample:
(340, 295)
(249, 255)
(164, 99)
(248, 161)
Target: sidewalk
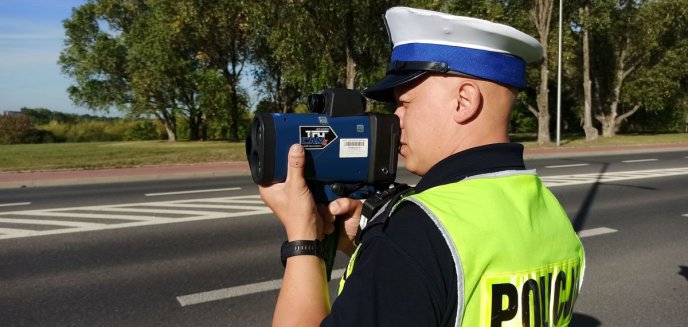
(149, 173)
(225, 169)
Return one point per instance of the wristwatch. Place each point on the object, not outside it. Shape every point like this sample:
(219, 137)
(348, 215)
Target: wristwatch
(290, 249)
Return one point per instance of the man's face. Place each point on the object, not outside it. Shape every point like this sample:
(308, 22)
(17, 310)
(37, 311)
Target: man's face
(425, 111)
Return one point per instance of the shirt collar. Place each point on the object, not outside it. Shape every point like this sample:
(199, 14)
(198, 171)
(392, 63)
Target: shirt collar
(474, 161)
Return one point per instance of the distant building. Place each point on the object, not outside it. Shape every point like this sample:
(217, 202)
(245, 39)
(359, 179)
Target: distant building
(11, 113)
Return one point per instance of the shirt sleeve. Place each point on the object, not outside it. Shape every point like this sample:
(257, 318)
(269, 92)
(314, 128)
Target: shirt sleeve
(403, 276)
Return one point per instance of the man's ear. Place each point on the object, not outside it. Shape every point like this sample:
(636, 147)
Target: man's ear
(469, 102)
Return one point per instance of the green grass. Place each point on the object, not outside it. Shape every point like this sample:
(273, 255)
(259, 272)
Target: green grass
(53, 156)
(32, 157)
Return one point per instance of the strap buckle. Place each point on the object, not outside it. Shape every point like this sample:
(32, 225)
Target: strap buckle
(433, 66)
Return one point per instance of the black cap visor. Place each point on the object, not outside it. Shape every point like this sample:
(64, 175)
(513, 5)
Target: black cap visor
(383, 90)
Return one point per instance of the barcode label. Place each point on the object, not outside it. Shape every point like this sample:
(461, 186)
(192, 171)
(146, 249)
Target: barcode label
(356, 144)
(353, 148)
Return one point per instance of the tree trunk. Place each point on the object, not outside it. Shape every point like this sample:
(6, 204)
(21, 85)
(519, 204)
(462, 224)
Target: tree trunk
(169, 121)
(171, 134)
(591, 133)
(541, 16)
(543, 123)
(232, 79)
(608, 120)
(350, 69)
(233, 113)
(350, 61)
(195, 118)
(625, 65)
(194, 126)
(279, 107)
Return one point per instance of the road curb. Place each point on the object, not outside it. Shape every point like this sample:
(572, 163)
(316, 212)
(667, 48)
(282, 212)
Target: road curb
(552, 152)
(14, 180)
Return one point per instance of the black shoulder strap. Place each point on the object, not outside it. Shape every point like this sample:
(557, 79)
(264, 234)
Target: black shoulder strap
(376, 209)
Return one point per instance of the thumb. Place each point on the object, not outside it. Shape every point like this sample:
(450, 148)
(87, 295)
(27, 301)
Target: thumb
(296, 162)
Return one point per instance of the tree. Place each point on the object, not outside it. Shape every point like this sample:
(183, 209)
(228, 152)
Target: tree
(96, 60)
(150, 57)
(629, 61)
(586, 20)
(101, 62)
(541, 16)
(306, 46)
(277, 93)
(532, 17)
(219, 31)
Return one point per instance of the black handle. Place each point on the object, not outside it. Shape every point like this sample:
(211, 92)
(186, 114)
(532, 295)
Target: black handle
(330, 245)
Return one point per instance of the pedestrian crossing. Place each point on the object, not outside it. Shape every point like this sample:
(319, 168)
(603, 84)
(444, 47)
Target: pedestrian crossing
(566, 180)
(27, 223)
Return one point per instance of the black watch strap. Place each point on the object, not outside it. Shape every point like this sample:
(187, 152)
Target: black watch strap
(290, 249)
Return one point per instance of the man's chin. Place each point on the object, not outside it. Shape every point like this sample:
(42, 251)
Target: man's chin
(411, 167)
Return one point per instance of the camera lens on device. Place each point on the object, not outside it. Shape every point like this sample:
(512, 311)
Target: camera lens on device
(316, 103)
(257, 133)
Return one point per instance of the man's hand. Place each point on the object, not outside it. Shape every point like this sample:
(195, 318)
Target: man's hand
(292, 202)
(303, 298)
(350, 211)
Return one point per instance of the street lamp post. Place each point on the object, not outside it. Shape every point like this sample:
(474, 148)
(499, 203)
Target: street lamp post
(559, 77)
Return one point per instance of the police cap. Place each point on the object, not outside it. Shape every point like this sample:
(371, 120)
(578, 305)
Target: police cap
(426, 41)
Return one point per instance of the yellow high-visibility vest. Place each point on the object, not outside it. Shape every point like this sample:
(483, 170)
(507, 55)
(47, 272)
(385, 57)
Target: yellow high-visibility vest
(518, 260)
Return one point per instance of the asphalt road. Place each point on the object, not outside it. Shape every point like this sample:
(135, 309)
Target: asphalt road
(204, 252)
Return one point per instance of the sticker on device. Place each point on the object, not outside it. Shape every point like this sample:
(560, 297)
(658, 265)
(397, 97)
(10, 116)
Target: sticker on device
(353, 148)
(316, 137)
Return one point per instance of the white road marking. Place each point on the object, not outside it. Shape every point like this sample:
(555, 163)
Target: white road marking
(196, 191)
(50, 222)
(88, 215)
(596, 231)
(165, 211)
(13, 231)
(141, 214)
(248, 289)
(224, 200)
(14, 204)
(231, 292)
(686, 215)
(202, 205)
(639, 160)
(567, 166)
(565, 180)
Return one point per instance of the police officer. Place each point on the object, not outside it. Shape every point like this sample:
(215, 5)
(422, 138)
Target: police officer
(479, 241)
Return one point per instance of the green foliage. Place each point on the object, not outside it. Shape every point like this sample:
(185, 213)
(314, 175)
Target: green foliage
(522, 121)
(141, 130)
(153, 57)
(14, 129)
(54, 126)
(305, 46)
(181, 60)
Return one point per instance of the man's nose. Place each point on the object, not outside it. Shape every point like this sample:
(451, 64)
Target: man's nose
(400, 113)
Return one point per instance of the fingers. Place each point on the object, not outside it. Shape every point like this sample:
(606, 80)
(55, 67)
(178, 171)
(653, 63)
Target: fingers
(296, 162)
(327, 219)
(345, 206)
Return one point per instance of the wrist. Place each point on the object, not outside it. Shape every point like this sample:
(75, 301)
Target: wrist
(312, 248)
(302, 233)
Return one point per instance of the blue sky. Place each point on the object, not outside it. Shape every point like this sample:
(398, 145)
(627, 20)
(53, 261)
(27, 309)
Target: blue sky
(31, 38)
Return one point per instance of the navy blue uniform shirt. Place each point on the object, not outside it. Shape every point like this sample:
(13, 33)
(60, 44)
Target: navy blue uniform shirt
(404, 274)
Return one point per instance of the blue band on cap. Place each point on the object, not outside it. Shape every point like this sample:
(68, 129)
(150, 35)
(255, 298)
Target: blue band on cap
(494, 66)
